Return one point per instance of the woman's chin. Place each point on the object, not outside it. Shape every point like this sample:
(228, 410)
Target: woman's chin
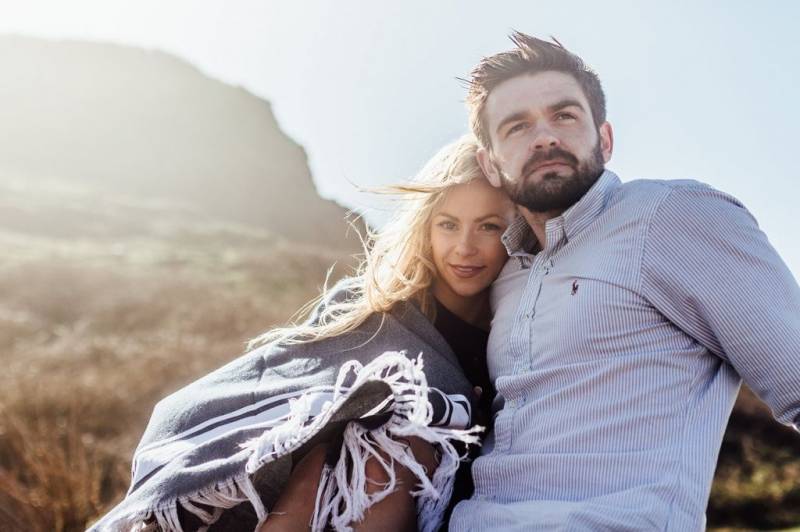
(470, 291)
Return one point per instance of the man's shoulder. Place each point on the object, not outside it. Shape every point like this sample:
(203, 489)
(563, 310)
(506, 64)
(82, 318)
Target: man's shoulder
(679, 191)
(663, 186)
(680, 209)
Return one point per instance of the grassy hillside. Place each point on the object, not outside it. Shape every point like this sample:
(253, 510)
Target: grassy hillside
(94, 329)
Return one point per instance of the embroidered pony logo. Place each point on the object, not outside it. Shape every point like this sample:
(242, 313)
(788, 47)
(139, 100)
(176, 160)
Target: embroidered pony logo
(574, 288)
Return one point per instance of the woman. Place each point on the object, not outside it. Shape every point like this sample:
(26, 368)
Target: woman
(250, 435)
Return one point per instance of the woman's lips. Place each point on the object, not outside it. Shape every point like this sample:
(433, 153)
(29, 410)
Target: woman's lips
(465, 272)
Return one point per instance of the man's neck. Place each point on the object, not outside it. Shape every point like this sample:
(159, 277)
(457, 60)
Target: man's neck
(537, 221)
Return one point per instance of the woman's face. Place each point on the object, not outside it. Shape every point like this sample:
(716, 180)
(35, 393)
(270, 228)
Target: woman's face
(465, 239)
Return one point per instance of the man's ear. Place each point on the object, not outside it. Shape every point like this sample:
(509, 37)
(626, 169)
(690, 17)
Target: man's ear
(489, 170)
(606, 141)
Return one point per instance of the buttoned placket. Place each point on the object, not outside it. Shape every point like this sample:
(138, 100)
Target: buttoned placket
(521, 341)
(526, 315)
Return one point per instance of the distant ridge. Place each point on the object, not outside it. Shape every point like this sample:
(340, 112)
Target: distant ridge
(145, 124)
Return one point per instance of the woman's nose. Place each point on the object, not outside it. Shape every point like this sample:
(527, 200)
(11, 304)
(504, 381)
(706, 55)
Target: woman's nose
(466, 245)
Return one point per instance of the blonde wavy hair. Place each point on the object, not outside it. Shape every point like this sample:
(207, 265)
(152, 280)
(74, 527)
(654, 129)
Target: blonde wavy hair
(398, 264)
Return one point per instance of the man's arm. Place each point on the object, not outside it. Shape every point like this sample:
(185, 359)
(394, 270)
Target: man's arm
(712, 272)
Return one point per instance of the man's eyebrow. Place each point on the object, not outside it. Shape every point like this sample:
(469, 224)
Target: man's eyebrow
(521, 115)
(513, 117)
(566, 102)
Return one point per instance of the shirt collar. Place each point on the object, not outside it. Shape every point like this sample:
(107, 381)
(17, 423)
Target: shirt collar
(520, 240)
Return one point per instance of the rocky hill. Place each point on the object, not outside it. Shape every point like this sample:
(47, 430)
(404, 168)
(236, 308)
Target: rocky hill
(123, 122)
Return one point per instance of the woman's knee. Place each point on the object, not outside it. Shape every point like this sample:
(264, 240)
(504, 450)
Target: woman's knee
(425, 454)
(376, 470)
(305, 476)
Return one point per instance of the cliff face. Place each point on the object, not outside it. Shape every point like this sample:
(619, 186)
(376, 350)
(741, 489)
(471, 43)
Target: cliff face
(146, 125)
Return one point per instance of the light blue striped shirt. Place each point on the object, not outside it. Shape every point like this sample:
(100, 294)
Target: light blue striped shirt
(619, 349)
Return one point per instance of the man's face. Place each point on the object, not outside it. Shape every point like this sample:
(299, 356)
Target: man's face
(546, 151)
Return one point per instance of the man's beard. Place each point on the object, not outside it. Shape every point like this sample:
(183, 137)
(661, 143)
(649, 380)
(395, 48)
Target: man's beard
(554, 192)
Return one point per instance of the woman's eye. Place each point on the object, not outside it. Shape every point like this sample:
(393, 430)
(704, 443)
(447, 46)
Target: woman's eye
(517, 127)
(447, 225)
(491, 227)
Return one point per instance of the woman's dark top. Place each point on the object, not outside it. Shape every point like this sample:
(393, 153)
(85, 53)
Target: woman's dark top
(468, 342)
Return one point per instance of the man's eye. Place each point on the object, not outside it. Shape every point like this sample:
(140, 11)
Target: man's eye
(565, 116)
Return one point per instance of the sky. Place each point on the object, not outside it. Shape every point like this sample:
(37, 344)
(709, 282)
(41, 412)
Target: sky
(704, 90)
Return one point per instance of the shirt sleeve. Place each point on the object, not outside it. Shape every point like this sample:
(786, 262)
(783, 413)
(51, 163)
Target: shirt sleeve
(711, 271)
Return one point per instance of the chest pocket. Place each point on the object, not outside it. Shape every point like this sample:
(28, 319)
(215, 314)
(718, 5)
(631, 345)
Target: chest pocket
(586, 314)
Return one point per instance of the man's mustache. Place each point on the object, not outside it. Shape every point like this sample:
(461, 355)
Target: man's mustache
(553, 154)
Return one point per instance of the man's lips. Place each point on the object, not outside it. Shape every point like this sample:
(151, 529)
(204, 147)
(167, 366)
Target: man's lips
(548, 164)
(465, 271)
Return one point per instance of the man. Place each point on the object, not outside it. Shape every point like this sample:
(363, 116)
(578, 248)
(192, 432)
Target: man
(625, 318)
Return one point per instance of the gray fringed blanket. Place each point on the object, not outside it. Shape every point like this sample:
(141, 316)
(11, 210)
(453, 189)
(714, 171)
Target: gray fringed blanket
(227, 439)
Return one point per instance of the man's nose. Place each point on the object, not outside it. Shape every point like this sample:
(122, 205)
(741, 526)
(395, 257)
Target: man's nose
(543, 138)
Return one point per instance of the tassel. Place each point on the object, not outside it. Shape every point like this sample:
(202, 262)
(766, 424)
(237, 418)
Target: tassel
(342, 499)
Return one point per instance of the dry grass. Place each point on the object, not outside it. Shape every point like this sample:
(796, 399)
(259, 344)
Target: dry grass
(92, 335)
(91, 338)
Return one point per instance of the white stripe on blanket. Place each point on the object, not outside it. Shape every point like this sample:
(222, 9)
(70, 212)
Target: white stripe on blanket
(260, 415)
(252, 416)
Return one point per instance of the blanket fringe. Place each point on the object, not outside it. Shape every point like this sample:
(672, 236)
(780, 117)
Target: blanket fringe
(207, 506)
(342, 497)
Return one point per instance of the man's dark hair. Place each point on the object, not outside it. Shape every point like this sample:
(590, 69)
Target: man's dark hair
(530, 56)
